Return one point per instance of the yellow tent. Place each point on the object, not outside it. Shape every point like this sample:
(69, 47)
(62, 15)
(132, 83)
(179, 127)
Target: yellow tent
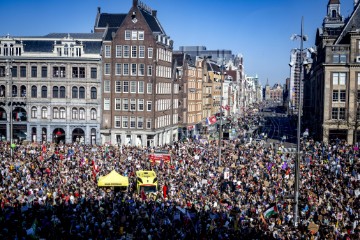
(113, 179)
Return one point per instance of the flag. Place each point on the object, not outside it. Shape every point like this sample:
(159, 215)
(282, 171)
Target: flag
(271, 211)
(210, 120)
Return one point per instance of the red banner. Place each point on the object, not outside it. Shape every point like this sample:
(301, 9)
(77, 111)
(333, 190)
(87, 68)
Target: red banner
(156, 157)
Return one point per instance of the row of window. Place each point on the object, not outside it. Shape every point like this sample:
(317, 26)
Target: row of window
(60, 113)
(126, 104)
(126, 69)
(126, 51)
(128, 87)
(57, 72)
(131, 122)
(57, 92)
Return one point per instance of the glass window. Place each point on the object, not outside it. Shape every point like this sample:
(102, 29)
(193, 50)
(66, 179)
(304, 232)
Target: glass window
(33, 71)
(62, 113)
(107, 51)
(107, 86)
(14, 72)
(126, 87)
(74, 113)
(149, 88)
(125, 104)
(125, 123)
(335, 96)
(44, 71)
(93, 114)
(82, 114)
(127, 34)
(149, 70)
(106, 103)
(126, 69)
(133, 69)
(140, 104)
(81, 92)
(74, 92)
(117, 68)
(93, 73)
(132, 104)
(141, 87)
(117, 121)
(342, 95)
(62, 92)
(133, 87)
(55, 92)
(148, 123)
(55, 113)
(118, 51)
(107, 68)
(117, 103)
(34, 92)
(342, 113)
(33, 112)
(126, 51)
(150, 52)
(22, 71)
(334, 113)
(149, 106)
(133, 35)
(118, 86)
(141, 51)
(134, 51)
(43, 92)
(141, 69)
(93, 93)
(44, 112)
(140, 122)
(141, 35)
(132, 122)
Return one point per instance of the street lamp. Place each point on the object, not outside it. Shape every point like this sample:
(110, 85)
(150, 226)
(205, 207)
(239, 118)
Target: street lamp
(297, 161)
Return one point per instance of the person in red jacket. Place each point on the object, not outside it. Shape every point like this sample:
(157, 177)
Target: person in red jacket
(165, 188)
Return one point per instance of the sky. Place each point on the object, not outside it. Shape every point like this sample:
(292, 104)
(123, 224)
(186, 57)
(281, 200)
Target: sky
(259, 30)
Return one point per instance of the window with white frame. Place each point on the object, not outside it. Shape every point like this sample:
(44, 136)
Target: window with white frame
(150, 52)
(133, 87)
(118, 86)
(107, 68)
(125, 87)
(141, 51)
(125, 122)
(149, 88)
(133, 69)
(74, 113)
(125, 102)
(127, 34)
(82, 114)
(140, 122)
(117, 104)
(126, 51)
(339, 78)
(149, 70)
(93, 114)
(106, 103)
(141, 87)
(118, 69)
(141, 69)
(118, 51)
(132, 104)
(62, 113)
(117, 122)
(44, 113)
(107, 51)
(148, 123)
(134, 51)
(55, 113)
(132, 122)
(107, 86)
(140, 35)
(126, 69)
(33, 112)
(134, 35)
(140, 104)
(148, 105)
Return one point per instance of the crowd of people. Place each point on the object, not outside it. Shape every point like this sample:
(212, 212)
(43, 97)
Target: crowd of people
(50, 191)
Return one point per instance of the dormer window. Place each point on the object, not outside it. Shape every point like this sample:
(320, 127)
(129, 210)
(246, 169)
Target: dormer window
(333, 14)
(68, 48)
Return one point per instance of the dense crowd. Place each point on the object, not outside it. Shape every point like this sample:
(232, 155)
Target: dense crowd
(50, 191)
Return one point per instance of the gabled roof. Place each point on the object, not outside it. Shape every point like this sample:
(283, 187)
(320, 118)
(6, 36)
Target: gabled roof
(152, 22)
(110, 20)
(352, 24)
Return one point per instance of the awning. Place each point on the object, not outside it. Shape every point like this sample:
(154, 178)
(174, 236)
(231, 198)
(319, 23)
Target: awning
(113, 179)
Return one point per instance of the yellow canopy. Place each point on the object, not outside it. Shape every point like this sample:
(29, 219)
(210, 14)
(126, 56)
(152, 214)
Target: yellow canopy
(113, 179)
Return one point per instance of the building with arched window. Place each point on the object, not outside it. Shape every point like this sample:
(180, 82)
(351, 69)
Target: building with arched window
(54, 83)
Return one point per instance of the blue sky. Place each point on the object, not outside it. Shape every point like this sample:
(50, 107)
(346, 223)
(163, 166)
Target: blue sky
(260, 30)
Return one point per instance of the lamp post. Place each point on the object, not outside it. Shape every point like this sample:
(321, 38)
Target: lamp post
(298, 155)
(10, 84)
(221, 111)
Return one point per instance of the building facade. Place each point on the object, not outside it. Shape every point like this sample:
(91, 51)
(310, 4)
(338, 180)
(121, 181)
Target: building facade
(140, 97)
(50, 88)
(332, 83)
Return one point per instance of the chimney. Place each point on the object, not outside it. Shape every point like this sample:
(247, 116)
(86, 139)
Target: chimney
(153, 13)
(99, 9)
(135, 3)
